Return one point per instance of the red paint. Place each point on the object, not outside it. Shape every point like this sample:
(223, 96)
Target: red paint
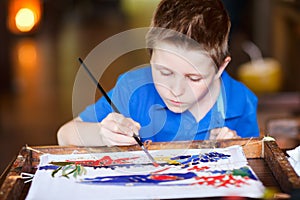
(155, 164)
(158, 171)
(159, 177)
(197, 168)
(104, 161)
(220, 181)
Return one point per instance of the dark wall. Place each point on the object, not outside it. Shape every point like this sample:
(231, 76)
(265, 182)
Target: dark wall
(5, 66)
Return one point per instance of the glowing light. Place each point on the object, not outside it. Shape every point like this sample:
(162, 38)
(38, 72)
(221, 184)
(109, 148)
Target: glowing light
(27, 54)
(25, 19)
(24, 16)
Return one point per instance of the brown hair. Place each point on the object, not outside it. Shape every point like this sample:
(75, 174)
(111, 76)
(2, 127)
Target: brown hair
(205, 21)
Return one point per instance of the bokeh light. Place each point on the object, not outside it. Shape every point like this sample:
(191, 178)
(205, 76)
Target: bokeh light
(25, 19)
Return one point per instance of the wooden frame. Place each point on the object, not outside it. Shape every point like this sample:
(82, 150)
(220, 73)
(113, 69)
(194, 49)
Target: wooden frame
(286, 179)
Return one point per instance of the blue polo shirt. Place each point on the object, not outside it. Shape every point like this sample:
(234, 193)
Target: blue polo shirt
(136, 97)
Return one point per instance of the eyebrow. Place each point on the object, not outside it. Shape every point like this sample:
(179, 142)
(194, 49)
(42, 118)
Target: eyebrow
(200, 75)
(159, 65)
(166, 68)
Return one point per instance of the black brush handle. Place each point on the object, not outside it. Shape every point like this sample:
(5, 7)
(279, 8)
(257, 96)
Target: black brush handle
(137, 139)
(99, 86)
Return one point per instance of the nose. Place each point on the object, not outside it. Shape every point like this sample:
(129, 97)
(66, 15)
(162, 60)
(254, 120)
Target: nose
(178, 87)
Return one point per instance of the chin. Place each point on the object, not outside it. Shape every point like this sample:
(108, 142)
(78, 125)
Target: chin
(176, 109)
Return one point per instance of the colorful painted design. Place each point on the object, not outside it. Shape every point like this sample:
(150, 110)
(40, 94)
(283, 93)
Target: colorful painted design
(183, 173)
(223, 178)
(216, 178)
(184, 161)
(104, 161)
(204, 158)
(195, 159)
(139, 179)
(76, 168)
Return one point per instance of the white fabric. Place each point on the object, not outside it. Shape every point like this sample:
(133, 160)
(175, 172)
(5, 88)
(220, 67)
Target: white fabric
(294, 159)
(45, 187)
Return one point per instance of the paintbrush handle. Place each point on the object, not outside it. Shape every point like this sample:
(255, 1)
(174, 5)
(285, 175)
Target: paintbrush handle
(99, 86)
(137, 139)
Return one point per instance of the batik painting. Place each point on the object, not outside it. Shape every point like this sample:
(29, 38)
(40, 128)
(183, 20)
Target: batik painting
(182, 173)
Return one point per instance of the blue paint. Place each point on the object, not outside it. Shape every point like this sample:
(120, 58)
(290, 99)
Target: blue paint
(220, 171)
(243, 171)
(136, 179)
(185, 166)
(113, 167)
(204, 158)
(180, 157)
(48, 167)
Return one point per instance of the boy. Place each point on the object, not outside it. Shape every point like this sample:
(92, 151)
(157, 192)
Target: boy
(184, 95)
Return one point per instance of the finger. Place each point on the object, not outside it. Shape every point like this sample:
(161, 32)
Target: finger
(133, 126)
(129, 127)
(116, 123)
(126, 127)
(112, 138)
(214, 133)
(110, 124)
(223, 133)
(123, 125)
(117, 117)
(226, 133)
(219, 133)
(136, 126)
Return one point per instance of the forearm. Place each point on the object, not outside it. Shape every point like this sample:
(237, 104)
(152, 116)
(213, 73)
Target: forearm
(79, 133)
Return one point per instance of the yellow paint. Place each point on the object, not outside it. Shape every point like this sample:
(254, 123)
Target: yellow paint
(167, 160)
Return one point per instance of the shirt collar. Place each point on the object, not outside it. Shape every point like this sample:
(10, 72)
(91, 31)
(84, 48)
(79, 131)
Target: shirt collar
(227, 106)
(231, 97)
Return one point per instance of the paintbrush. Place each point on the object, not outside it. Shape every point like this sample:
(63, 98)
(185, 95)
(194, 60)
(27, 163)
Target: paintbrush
(137, 139)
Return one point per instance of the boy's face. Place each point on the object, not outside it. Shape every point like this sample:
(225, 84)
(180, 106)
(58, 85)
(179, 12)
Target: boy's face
(183, 78)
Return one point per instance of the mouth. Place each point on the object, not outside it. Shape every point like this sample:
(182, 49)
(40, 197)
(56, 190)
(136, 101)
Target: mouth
(176, 103)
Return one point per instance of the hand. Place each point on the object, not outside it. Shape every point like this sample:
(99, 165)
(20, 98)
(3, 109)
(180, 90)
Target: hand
(118, 130)
(223, 133)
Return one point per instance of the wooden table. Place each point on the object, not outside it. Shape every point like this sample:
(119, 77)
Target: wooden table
(266, 159)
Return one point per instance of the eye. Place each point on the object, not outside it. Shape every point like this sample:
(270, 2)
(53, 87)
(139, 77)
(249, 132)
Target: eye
(195, 78)
(162, 70)
(165, 72)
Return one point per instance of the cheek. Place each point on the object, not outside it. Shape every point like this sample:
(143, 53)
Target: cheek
(162, 89)
(198, 90)
(161, 83)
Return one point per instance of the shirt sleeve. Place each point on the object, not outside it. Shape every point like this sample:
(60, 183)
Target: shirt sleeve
(98, 111)
(119, 95)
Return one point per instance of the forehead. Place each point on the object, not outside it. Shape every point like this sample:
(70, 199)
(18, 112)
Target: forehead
(169, 55)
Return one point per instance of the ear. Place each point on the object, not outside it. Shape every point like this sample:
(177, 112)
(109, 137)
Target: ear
(222, 67)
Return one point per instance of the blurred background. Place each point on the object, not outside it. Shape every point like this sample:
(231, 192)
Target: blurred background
(41, 41)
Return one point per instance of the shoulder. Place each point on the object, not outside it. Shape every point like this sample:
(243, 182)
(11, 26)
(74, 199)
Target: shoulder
(143, 73)
(238, 96)
(135, 91)
(235, 88)
(137, 81)
(135, 78)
